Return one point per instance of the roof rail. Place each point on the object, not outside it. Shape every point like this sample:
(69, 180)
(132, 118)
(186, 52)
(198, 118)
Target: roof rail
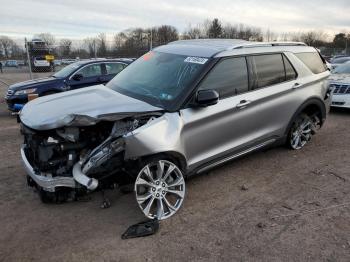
(267, 44)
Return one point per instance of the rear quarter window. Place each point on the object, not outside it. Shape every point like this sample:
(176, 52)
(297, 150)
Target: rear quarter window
(114, 68)
(313, 61)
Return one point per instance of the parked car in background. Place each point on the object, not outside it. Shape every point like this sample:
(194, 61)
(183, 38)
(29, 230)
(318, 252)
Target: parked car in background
(68, 61)
(21, 62)
(74, 76)
(338, 60)
(57, 62)
(340, 83)
(11, 63)
(40, 64)
(179, 110)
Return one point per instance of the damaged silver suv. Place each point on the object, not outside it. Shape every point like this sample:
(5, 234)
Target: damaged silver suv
(179, 110)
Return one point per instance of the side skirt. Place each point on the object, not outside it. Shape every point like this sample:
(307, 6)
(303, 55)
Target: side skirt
(237, 155)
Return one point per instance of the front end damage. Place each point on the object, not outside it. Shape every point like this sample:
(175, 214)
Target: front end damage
(70, 161)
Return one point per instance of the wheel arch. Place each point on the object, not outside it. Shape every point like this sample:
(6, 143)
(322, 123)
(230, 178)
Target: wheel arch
(311, 106)
(173, 156)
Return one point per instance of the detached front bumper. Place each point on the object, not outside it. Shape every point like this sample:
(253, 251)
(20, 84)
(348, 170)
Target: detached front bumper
(45, 181)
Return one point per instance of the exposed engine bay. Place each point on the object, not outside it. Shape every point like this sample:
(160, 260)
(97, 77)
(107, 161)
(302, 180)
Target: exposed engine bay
(92, 155)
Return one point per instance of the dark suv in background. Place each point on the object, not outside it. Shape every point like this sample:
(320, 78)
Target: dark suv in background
(77, 75)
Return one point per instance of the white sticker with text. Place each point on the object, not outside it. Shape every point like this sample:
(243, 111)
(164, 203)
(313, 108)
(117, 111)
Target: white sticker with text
(196, 60)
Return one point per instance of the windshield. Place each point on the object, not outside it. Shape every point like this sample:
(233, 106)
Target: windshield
(157, 78)
(66, 71)
(342, 69)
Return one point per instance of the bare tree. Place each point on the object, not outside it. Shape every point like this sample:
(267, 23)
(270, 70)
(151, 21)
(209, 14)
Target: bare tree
(230, 31)
(192, 32)
(48, 38)
(166, 34)
(6, 45)
(313, 38)
(91, 45)
(102, 45)
(269, 36)
(65, 47)
(119, 40)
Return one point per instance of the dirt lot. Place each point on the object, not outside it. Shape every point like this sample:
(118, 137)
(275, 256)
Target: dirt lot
(296, 208)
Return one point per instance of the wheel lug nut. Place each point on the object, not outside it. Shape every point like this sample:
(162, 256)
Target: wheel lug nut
(153, 189)
(157, 183)
(157, 195)
(163, 185)
(163, 192)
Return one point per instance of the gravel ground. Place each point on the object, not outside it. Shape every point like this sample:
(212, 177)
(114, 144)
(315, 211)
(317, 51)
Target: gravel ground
(277, 205)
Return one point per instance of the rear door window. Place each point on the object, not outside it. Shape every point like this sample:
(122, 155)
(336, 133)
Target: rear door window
(313, 61)
(91, 70)
(269, 70)
(114, 68)
(229, 77)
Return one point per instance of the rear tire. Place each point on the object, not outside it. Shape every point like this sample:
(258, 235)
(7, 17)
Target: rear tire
(300, 132)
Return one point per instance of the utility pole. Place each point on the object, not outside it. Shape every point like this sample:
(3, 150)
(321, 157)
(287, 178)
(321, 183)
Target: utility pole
(151, 41)
(95, 52)
(346, 45)
(28, 58)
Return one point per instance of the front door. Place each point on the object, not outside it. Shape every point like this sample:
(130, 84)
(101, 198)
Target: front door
(89, 75)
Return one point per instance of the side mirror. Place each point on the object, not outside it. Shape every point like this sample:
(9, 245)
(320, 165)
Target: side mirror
(207, 97)
(77, 77)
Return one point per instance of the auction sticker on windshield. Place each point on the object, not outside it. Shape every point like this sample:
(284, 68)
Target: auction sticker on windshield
(196, 60)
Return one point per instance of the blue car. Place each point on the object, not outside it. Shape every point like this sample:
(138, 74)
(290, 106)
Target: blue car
(77, 75)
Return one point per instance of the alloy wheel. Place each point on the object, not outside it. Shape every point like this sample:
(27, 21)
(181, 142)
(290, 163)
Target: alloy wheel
(301, 133)
(160, 189)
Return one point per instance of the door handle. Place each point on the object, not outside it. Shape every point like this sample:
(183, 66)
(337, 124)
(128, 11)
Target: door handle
(296, 86)
(243, 104)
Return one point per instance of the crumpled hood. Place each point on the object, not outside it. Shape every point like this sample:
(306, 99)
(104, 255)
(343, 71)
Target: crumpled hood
(32, 83)
(81, 107)
(340, 78)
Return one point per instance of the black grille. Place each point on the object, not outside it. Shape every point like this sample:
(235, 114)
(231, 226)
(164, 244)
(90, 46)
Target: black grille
(339, 89)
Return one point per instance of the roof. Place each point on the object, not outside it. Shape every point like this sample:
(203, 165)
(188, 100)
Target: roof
(218, 44)
(211, 47)
(94, 60)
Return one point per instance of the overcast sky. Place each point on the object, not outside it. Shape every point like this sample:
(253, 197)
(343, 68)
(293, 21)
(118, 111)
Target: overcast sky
(81, 18)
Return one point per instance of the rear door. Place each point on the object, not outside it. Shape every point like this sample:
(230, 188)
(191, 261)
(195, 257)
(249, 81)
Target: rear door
(91, 75)
(273, 97)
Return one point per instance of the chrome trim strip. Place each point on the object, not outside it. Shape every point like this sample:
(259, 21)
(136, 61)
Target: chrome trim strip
(47, 183)
(237, 155)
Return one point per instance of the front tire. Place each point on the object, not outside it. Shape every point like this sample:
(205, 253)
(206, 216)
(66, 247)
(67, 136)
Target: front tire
(160, 189)
(301, 132)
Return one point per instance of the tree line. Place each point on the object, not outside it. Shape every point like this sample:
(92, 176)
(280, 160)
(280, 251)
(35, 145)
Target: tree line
(137, 41)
